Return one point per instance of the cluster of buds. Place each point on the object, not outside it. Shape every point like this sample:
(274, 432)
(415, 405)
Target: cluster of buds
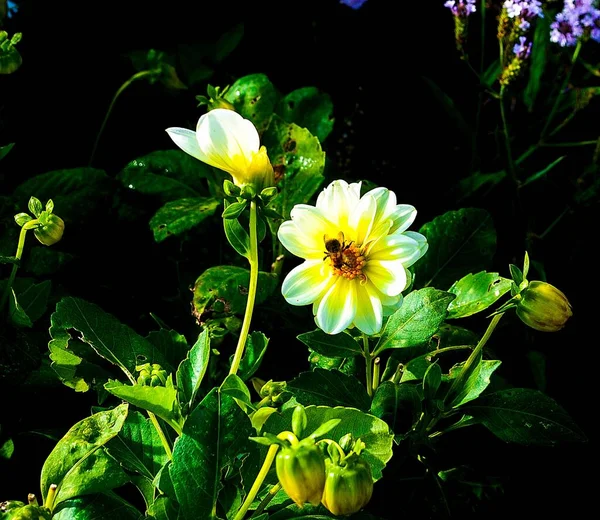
(47, 227)
(151, 375)
(579, 20)
(335, 475)
(461, 9)
(10, 59)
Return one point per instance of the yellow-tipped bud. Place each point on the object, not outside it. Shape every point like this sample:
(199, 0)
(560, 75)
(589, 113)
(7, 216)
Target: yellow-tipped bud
(543, 307)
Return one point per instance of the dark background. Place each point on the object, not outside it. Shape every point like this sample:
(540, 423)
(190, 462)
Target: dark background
(389, 129)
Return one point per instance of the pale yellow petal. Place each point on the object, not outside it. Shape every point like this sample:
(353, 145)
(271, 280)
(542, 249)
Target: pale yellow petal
(337, 308)
(369, 311)
(306, 282)
(361, 220)
(306, 238)
(338, 201)
(400, 246)
(388, 276)
(402, 216)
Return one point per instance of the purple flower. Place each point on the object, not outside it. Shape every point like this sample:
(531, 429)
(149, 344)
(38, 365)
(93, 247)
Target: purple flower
(524, 9)
(462, 8)
(522, 49)
(595, 32)
(12, 8)
(565, 30)
(355, 4)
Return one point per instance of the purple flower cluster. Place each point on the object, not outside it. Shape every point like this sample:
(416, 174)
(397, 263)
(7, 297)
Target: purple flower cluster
(524, 11)
(461, 8)
(577, 18)
(355, 4)
(522, 49)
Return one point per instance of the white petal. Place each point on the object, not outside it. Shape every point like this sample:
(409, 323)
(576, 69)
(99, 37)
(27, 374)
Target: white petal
(369, 311)
(227, 140)
(422, 244)
(338, 307)
(403, 216)
(186, 140)
(400, 246)
(306, 282)
(337, 202)
(361, 219)
(388, 276)
(307, 236)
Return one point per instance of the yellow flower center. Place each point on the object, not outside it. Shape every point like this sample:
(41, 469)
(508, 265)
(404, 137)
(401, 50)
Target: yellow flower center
(345, 260)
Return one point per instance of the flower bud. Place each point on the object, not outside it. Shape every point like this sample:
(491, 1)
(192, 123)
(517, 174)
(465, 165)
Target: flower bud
(301, 472)
(543, 307)
(51, 229)
(348, 488)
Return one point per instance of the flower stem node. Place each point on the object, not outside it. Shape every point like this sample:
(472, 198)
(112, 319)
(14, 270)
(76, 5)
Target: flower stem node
(543, 307)
(301, 471)
(348, 485)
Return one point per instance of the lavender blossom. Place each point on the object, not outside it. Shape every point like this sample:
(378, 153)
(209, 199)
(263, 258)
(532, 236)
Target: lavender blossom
(461, 8)
(355, 4)
(522, 50)
(578, 18)
(524, 11)
(565, 30)
(595, 27)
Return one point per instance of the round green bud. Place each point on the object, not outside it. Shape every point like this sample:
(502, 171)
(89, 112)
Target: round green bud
(28, 512)
(348, 488)
(301, 472)
(543, 307)
(51, 230)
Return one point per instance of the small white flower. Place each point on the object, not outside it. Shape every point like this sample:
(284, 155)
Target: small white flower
(225, 140)
(356, 252)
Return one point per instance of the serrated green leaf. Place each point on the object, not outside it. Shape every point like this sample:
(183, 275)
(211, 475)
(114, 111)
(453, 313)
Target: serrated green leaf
(102, 506)
(525, 416)
(192, 369)
(256, 347)
(214, 434)
(78, 464)
(160, 400)
(475, 383)
(310, 108)
(416, 321)
(138, 447)
(109, 338)
(476, 292)
(399, 405)
(338, 345)
(234, 387)
(178, 216)
(460, 242)
(374, 432)
(329, 387)
(167, 174)
(254, 97)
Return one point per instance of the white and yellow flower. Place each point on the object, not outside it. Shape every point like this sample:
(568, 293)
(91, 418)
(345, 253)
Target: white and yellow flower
(225, 140)
(356, 253)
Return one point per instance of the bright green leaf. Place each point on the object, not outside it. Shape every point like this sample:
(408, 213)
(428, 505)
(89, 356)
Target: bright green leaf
(431, 381)
(256, 347)
(236, 235)
(309, 108)
(234, 387)
(17, 315)
(254, 97)
(476, 292)
(475, 383)
(399, 405)
(338, 345)
(164, 508)
(178, 216)
(103, 506)
(192, 369)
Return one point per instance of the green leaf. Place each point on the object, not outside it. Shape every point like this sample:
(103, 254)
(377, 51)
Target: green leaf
(449, 107)
(164, 508)
(537, 61)
(374, 432)
(476, 382)
(329, 387)
(236, 235)
(525, 416)
(476, 292)
(138, 447)
(109, 338)
(5, 149)
(348, 366)
(235, 209)
(7, 449)
(178, 216)
(102, 506)
(460, 242)
(416, 321)
(473, 183)
(215, 433)
(234, 387)
(78, 464)
(35, 206)
(338, 345)
(227, 42)
(310, 108)
(432, 381)
(192, 369)
(542, 173)
(34, 299)
(167, 175)
(256, 346)
(254, 97)
(160, 400)
(77, 193)
(298, 161)
(227, 285)
(492, 73)
(450, 335)
(416, 368)
(17, 315)
(395, 403)
(170, 344)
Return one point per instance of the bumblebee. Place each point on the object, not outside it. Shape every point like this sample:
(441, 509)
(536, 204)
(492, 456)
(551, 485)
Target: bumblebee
(334, 249)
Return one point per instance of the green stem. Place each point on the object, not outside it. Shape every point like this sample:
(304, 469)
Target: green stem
(368, 366)
(560, 92)
(265, 501)
(122, 88)
(564, 145)
(49, 502)
(449, 349)
(161, 435)
(264, 470)
(471, 359)
(253, 260)
(32, 224)
(509, 158)
(376, 372)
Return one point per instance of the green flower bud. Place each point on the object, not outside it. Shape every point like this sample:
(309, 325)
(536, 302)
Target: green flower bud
(28, 512)
(301, 472)
(231, 189)
(543, 307)
(51, 229)
(348, 488)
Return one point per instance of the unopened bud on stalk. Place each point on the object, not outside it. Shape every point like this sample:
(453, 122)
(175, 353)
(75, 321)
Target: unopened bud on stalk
(543, 307)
